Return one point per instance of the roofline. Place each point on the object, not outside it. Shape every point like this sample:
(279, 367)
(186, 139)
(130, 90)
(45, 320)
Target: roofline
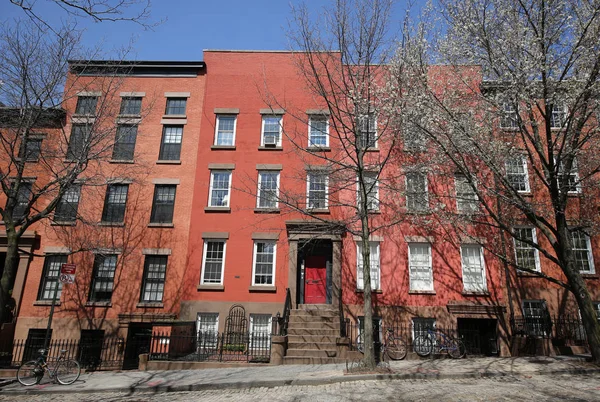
(265, 51)
(137, 63)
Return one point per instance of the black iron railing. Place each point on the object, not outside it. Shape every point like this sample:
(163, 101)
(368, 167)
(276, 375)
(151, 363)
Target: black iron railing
(285, 318)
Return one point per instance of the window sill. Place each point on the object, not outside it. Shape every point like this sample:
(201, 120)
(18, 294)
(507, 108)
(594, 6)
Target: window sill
(526, 274)
(319, 211)
(372, 150)
(266, 210)
(421, 292)
(510, 129)
(223, 147)
(63, 223)
(374, 212)
(167, 162)
(113, 224)
(525, 193)
(217, 209)
(214, 288)
(45, 303)
(376, 291)
(263, 148)
(590, 276)
(150, 305)
(263, 289)
(318, 149)
(129, 116)
(98, 304)
(424, 212)
(121, 161)
(475, 293)
(574, 194)
(160, 225)
(174, 116)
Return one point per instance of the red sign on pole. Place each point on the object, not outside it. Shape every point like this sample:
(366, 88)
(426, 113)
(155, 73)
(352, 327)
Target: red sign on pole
(67, 273)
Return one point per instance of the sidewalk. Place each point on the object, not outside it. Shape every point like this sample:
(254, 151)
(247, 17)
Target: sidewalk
(272, 376)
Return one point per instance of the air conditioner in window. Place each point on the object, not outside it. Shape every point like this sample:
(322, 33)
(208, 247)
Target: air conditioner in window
(270, 140)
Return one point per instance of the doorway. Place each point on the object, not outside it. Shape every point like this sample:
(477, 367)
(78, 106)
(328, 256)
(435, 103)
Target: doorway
(479, 335)
(315, 272)
(139, 337)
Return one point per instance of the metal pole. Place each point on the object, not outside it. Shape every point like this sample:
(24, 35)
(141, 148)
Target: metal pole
(48, 328)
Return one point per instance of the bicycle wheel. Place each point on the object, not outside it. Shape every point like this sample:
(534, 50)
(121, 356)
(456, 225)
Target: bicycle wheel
(423, 346)
(67, 372)
(456, 349)
(396, 349)
(30, 373)
(360, 344)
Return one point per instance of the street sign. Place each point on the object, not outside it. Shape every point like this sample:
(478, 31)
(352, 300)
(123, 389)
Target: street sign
(67, 273)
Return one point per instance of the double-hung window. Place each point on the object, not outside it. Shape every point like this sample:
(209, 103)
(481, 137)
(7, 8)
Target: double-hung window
(170, 147)
(271, 131)
(115, 203)
(526, 254)
(32, 150)
(517, 174)
(79, 142)
(374, 266)
(318, 131)
(473, 268)
(415, 139)
(558, 115)
(220, 188)
(264, 262)
(582, 252)
(367, 131)
(131, 105)
(23, 196)
(317, 190)
(371, 185)
(175, 106)
(260, 331)
(466, 197)
(420, 267)
(163, 203)
(421, 325)
(213, 263)
(66, 209)
(86, 105)
(537, 318)
(50, 283)
(101, 288)
(570, 178)
(125, 142)
(225, 132)
(268, 189)
(509, 119)
(207, 327)
(155, 271)
(417, 198)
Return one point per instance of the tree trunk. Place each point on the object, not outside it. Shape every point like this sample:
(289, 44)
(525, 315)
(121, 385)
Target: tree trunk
(11, 264)
(369, 349)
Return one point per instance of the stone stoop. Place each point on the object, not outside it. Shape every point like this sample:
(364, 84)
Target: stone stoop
(314, 336)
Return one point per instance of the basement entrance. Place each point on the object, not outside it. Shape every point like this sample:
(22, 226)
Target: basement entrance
(479, 335)
(315, 261)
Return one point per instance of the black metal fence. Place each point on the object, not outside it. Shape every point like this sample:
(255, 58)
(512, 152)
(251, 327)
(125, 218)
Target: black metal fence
(105, 355)
(567, 330)
(212, 347)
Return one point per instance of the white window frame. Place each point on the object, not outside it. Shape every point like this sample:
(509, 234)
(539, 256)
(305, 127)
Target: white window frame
(262, 131)
(259, 192)
(273, 265)
(373, 200)
(426, 187)
(484, 287)
(590, 255)
(525, 172)
(219, 116)
(562, 111)
(308, 180)
(269, 327)
(509, 113)
(473, 203)
(310, 120)
(360, 123)
(210, 189)
(205, 249)
(359, 274)
(424, 319)
(527, 247)
(574, 172)
(413, 280)
(214, 331)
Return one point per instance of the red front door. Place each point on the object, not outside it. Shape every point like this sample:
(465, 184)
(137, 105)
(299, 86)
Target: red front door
(315, 280)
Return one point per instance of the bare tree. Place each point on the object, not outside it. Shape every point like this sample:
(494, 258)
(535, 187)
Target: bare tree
(342, 58)
(517, 119)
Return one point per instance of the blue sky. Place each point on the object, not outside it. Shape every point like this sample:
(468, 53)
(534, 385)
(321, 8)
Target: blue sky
(189, 26)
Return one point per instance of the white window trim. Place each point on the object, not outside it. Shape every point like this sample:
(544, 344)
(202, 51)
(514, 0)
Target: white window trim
(254, 262)
(262, 131)
(205, 247)
(217, 128)
(505, 115)
(308, 175)
(538, 267)
(258, 189)
(475, 201)
(526, 172)
(270, 324)
(360, 285)
(588, 244)
(376, 192)
(376, 127)
(565, 112)
(483, 269)
(210, 188)
(424, 174)
(412, 288)
(575, 172)
(310, 119)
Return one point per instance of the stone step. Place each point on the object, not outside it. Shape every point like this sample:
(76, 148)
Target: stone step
(314, 318)
(312, 338)
(311, 353)
(313, 331)
(312, 345)
(321, 313)
(313, 360)
(320, 307)
(315, 324)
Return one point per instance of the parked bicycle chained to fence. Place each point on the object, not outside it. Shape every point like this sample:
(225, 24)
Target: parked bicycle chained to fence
(65, 371)
(436, 340)
(393, 347)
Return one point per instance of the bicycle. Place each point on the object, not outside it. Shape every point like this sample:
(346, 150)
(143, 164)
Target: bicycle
(423, 344)
(65, 371)
(393, 347)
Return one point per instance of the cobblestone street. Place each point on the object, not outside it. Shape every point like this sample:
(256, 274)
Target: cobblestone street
(524, 388)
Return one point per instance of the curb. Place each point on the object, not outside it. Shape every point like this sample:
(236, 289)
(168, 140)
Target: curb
(309, 381)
